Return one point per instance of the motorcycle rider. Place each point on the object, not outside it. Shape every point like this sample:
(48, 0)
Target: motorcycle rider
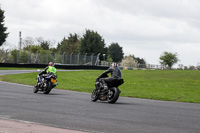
(50, 69)
(115, 74)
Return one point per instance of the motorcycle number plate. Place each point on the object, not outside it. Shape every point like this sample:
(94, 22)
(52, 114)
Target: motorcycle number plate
(53, 80)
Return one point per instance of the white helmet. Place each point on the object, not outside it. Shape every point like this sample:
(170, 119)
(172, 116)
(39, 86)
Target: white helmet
(114, 64)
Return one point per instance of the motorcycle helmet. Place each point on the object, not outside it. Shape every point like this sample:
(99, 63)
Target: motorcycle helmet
(114, 64)
(51, 64)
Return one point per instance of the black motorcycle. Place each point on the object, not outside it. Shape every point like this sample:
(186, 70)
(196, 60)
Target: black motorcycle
(46, 82)
(111, 95)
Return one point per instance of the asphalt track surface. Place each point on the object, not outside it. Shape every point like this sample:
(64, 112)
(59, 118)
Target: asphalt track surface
(75, 110)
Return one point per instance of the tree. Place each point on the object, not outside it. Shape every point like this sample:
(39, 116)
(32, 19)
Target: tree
(169, 59)
(129, 61)
(62, 46)
(185, 68)
(45, 45)
(33, 48)
(141, 62)
(23, 56)
(181, 66)
(115, 52)
(73, 44)
(28, 41)
(14, 54)
(69, 45)
(92, 43)
(192, 67)
(3, 34)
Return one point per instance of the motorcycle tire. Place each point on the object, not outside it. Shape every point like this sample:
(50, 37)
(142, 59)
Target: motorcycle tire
(35, 89)
(112, 98)
(48, 89)
(94, 97)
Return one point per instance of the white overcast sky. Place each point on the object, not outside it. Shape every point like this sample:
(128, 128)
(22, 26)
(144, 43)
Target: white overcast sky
(145, 28)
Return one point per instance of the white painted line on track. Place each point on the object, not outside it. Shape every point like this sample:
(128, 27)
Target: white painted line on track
(31, 86)
(16, 84)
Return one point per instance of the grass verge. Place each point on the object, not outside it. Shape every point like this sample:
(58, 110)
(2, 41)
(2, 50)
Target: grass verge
(175, 85)
(18, 68)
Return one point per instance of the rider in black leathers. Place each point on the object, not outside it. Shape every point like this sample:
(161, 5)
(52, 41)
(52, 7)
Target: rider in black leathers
(115, 74)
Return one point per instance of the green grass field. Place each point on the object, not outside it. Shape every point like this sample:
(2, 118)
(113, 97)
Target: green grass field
(174, 85)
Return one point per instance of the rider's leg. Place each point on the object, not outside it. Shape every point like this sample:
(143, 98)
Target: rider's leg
(105, 81)
(105, 86)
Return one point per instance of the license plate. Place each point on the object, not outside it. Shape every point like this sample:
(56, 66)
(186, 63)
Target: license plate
(53, 80)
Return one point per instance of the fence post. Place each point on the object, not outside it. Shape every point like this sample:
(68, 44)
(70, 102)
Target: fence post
(38, 57)
(85, 58)
(6, 56)
(17, 56)
(97, 60)
(54, 57)
(47, 58)
(91, 58)
(28, 56)
(71, 58)
(63, 56)
(78, 58)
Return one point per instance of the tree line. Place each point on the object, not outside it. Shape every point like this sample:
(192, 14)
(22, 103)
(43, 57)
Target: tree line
(91, 43)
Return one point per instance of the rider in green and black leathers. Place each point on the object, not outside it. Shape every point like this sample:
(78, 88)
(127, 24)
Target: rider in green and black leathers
(115, 74)
(48, 70)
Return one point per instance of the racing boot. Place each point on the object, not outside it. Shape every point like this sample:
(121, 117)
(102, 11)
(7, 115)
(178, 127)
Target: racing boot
(36, 86)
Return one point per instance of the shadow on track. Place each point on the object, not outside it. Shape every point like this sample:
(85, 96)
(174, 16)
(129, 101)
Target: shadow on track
(49, 94)
(117, 103)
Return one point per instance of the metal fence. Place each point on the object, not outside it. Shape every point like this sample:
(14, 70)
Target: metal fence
(22, 56)
(137, 65)
(26, 57)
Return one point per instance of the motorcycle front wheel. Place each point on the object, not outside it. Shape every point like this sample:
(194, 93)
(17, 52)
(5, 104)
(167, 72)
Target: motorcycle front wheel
(35, 89)
(94, 97)
(48, 89)
(113, 95)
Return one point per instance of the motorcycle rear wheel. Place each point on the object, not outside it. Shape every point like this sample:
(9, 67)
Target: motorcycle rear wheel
(114, 95)
(94, 97)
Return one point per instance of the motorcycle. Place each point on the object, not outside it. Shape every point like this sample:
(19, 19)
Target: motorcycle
(111, 95)
(45, 83)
